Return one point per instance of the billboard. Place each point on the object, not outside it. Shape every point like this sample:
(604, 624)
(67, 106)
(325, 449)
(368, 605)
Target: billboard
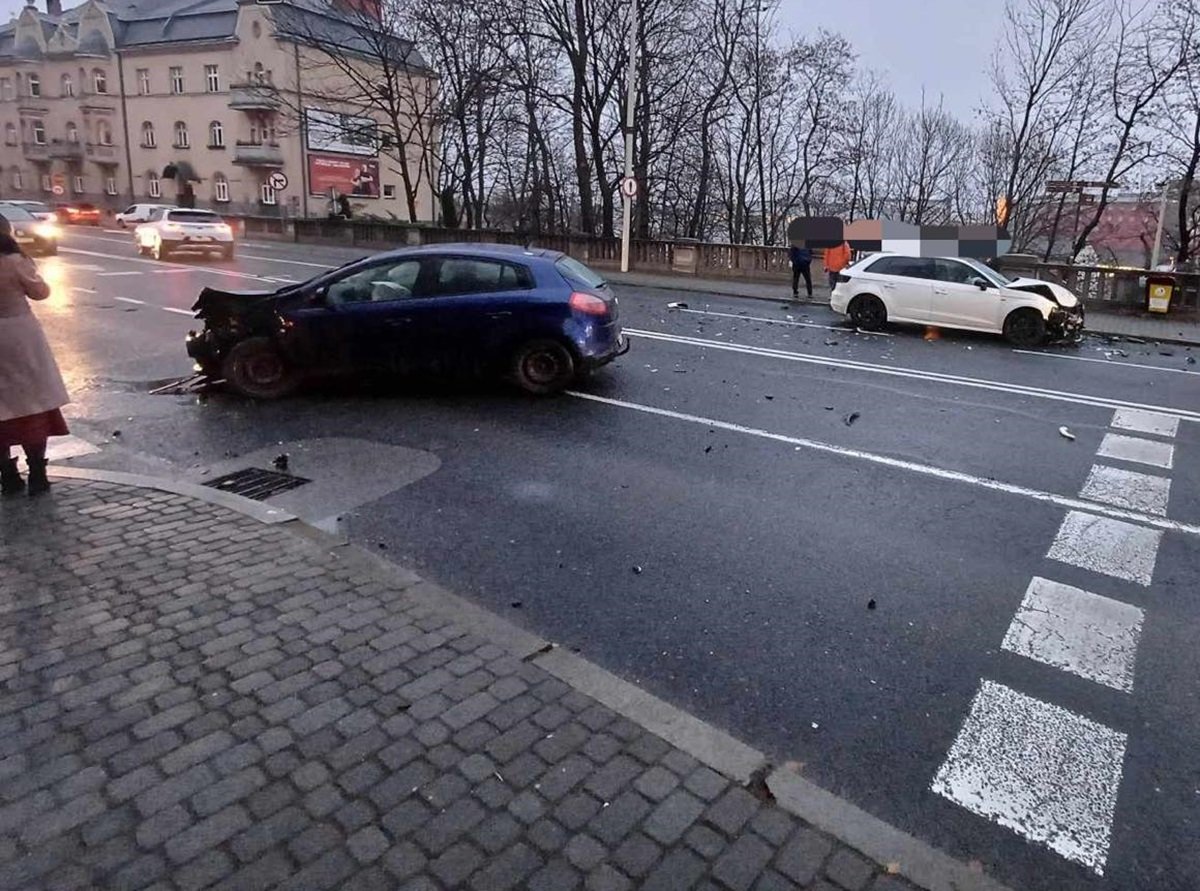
(347, 134)
(357, 177)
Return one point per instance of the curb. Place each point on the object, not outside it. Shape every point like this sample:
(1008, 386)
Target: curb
(902, 853)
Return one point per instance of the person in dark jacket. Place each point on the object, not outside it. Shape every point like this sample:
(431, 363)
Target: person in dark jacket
(801, 261)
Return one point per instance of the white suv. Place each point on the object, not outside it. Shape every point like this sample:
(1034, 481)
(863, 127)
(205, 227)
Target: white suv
(955, 292)
(183, 229)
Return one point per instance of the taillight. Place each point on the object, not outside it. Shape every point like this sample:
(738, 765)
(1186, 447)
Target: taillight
(839, 279)
(588, 304)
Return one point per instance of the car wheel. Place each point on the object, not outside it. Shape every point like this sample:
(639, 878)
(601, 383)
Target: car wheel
(543, 367)
(120, 224)
(228, 252)
(143, 251)
(1025, 328)
(867, 312)
(255, 368)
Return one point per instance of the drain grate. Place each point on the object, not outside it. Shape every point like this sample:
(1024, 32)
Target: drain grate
(256, 483)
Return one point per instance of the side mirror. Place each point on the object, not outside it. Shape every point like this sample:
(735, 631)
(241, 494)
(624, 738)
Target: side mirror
(981, 283)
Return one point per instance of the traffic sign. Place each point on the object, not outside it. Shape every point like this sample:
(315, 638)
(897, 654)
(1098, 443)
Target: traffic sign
(278, 181)
(57, 189)
(629, 187)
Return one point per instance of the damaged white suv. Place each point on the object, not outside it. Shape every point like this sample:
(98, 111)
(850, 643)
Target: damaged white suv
(955, 292)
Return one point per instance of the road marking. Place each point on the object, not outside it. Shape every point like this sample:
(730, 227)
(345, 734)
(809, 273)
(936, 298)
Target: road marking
(916, 374)
(1145, 422)
(160, 263)
(1141, 451)
(126, 272)
(1105, 362)
(62, 448)
(901, 464)
(1044, 772)
(182, 312)
(730, 315)
(1127, 488)
(1088, 635)
(1112, 547)
(83, 290)
(173, 270)
(294, 262)
(131, 300)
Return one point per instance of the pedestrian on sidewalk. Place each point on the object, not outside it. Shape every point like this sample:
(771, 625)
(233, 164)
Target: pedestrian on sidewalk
(31, 388)
(836, 259)
(801, 261)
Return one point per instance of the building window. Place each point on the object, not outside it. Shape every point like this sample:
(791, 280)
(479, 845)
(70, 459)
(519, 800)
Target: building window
(77, 185)
(68, 86)
(181, 135)
(110, 185)
(389, 191)
(39, 133)
(153, 185)
(176, 79)
(99, 81)
(143, 76)
(212, 81)
(17, 183)
(72, 133)
(268, 194)
(35, 85)
(6, 88)
(220, 188)
(216, 135)
(103, 133)
(10, 134)
(46, 185)
(148, 140)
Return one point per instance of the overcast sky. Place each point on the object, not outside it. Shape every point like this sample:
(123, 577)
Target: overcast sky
(941, 45)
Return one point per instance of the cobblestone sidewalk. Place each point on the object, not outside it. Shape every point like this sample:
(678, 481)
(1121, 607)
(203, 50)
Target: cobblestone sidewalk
(192, 699)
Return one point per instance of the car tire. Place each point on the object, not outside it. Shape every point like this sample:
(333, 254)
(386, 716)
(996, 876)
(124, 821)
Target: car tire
(229, 252)
(867, 312)
(255, 368)
(1025, 328)
(543, 367)
(143, 251)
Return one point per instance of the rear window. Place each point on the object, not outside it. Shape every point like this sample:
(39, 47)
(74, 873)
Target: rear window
(578, 274)
(194, 216)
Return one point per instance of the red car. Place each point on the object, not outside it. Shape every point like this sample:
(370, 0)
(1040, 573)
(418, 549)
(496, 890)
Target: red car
(82, 214)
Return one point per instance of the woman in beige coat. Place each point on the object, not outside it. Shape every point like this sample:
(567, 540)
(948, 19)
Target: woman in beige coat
(31, 387)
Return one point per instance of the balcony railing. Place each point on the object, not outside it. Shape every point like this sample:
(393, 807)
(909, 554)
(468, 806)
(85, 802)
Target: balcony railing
(102, 154)
(65, 150)
(36, 151)
(253, 97)
(258, 154)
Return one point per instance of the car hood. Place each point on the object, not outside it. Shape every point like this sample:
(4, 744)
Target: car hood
(1056, 292)
(214, 302)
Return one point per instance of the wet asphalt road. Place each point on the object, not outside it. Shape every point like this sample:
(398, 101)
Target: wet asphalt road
(728, 566)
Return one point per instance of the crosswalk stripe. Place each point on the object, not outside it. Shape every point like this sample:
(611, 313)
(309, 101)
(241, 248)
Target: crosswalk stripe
(1140, 451)
(1139, 421)
(1043, 771)
(1112, 547)
(1086, 634)
(1128, 488)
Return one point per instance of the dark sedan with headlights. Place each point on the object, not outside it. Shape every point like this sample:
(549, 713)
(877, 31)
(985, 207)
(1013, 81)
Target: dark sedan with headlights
(537, 317)
(36, 237)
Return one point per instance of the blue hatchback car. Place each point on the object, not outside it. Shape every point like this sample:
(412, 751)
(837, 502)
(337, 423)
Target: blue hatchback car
(538, 317)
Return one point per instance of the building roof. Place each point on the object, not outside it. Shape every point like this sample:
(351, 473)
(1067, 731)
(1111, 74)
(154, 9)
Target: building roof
(145, 23)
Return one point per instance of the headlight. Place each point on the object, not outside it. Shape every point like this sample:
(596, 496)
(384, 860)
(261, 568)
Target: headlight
(47, 231)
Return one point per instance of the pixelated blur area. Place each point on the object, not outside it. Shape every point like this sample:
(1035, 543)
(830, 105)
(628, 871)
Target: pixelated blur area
(980, 242)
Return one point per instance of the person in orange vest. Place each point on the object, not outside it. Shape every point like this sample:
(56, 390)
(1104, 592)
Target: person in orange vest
(836, 259)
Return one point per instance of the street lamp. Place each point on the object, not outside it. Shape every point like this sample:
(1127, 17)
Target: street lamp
(628, 186)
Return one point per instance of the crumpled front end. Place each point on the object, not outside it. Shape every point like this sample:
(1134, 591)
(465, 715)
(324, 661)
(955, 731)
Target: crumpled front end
(229, 316)
(1065, 323)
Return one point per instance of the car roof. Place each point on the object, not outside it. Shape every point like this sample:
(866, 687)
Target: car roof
(483, 251)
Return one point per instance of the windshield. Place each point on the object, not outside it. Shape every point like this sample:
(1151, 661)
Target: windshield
(578, 274)
(15, 213)
(34, 207)
(988, 272)
(194, 216)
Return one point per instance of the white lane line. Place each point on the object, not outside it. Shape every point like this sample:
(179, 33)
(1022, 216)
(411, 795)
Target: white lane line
(1141, 365)
(916, 374)
(296, 262)
(1088, 635)
(1145, 422)
(83, 290)
(131, 300)
(210, 269)
(1141, 451)
(731, 315)
(1104, 545)
(1044, 772)
(901, 464)
(126, 272)
(182, 312)
(173, 270)
(1128, 488)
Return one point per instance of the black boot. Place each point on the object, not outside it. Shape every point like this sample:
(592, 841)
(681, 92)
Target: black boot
(10, 478)
(37, 476)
